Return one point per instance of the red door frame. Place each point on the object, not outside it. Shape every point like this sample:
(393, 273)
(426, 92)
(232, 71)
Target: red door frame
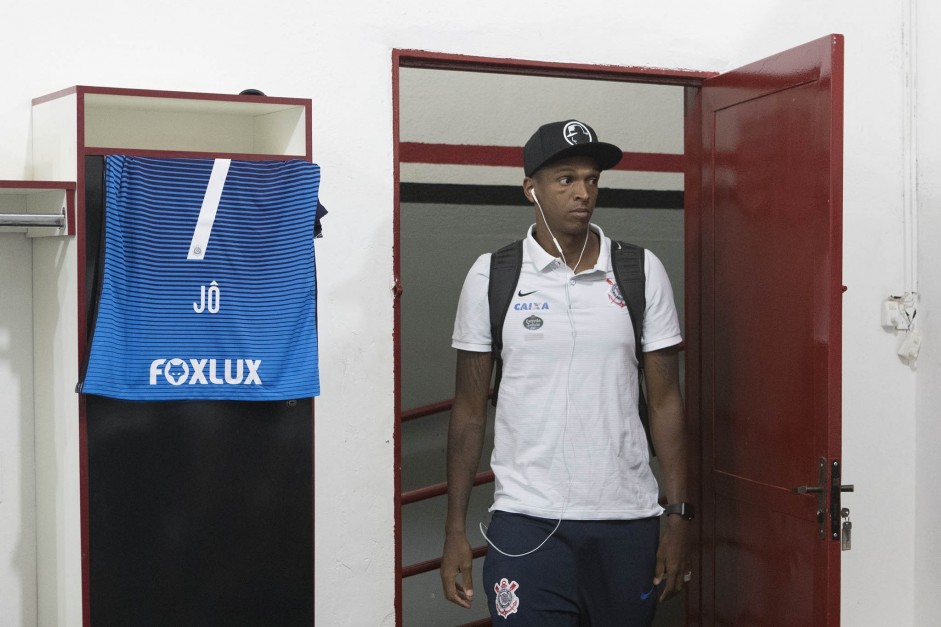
(692, 225)
(658, 76)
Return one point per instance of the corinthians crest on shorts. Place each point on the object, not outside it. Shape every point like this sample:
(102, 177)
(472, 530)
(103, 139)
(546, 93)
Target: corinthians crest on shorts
(507, 602)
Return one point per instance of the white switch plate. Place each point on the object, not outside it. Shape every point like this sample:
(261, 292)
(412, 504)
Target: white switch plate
(890, 313)
(893, 316)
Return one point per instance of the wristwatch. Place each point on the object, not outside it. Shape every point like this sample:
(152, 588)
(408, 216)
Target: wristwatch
(685, 510)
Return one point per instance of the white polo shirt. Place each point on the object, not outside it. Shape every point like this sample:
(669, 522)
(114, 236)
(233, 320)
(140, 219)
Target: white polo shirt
(568, 438)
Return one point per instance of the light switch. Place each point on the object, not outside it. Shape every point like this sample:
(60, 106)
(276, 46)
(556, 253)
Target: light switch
(891, 313)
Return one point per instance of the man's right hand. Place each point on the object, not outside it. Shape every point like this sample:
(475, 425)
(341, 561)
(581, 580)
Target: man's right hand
(466, 431)
(457, 565)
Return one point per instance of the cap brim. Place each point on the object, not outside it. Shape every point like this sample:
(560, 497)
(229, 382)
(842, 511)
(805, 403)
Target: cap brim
(605, 155)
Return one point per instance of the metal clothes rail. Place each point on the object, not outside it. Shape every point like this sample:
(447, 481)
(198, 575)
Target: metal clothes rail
(54, 220)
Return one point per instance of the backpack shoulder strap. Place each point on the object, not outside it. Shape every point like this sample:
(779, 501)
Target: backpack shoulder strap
(505, 266)
(627, 262)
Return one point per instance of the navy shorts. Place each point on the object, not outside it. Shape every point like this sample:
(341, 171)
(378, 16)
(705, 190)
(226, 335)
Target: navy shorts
(588, 573)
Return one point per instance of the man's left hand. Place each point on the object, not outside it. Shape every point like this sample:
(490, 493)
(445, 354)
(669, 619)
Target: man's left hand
(673, 561)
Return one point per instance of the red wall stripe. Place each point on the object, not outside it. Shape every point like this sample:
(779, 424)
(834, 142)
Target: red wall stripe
(512, 156)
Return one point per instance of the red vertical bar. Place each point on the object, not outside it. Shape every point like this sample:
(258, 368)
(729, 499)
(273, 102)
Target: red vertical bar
(308, 133)
(397, 338)
(832, 73)
(706, 383)
(80, 241)
(692, 198)
(308, 117)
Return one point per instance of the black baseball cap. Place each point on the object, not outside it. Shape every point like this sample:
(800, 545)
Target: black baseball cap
(569, 138)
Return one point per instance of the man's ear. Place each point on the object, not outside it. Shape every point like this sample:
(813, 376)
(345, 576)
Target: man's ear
(528, 184)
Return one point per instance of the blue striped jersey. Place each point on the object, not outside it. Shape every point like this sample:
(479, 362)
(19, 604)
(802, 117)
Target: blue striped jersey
(208, 288)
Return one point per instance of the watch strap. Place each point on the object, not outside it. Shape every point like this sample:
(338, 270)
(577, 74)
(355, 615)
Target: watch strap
(684, 510)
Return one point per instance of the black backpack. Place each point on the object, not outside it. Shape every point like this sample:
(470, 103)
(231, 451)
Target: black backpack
(627, 262)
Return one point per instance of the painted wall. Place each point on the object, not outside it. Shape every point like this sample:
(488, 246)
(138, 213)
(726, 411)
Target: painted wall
(17, 458)
(927, 534)
(339, 54)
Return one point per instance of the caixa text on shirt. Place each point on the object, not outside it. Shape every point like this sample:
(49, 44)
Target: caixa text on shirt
(206, 371)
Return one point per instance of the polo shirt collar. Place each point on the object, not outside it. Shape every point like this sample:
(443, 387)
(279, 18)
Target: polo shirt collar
(604, 254)
(542, 260)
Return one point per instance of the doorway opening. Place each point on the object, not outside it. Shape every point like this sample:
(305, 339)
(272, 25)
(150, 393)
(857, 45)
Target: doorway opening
(459, 128)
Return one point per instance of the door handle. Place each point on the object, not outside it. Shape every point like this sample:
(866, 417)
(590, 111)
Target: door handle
(821, 491)
(829, 483)
(814, 489)
(808, 489)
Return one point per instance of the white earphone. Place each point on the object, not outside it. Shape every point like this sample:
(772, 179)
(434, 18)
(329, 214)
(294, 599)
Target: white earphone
(543, 214)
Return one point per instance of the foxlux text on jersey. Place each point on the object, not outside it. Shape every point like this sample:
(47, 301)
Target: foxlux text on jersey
(194, 372)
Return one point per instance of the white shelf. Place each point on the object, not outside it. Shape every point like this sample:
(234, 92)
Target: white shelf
(100, 120)
(37, 208)
(188, 124)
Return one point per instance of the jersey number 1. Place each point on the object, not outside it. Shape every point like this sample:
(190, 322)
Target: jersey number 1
(207, 213)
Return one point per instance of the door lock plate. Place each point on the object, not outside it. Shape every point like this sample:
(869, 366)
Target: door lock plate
(821, 491)
(829, 481)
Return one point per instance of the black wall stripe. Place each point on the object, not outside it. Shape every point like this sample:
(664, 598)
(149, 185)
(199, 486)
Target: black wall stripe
(452, 194)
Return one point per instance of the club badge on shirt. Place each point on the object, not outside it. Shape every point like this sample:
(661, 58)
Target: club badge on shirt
(614, 294)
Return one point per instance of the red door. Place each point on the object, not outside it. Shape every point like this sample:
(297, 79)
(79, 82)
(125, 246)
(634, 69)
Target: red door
(771, 216)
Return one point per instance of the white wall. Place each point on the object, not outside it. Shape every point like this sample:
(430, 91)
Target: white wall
(927, 533)
(17, 465)
(339, 54)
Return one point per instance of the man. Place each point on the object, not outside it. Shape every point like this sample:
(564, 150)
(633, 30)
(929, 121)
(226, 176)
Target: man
(575, 531)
